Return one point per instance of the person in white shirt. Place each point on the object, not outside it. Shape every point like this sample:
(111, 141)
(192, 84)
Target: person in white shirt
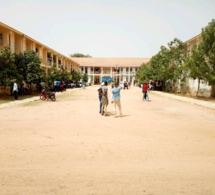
(15, 90)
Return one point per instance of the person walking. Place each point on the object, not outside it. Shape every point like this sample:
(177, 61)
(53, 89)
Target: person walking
(15, 90)
(145, 92)
(104, 99)
(116, 98)
(100, 97)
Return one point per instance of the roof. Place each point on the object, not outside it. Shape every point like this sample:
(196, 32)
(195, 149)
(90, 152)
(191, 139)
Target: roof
(110, 62)
(193, 38)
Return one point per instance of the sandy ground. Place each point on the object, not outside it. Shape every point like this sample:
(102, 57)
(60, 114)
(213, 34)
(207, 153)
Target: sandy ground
(162, 147)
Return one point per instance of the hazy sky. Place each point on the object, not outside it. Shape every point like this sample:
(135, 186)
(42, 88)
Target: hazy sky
(107, 28)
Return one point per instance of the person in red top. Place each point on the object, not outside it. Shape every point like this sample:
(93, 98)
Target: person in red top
(145, 91)
(61, 86)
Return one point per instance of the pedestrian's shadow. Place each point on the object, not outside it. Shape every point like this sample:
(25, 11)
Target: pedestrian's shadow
(113, 114)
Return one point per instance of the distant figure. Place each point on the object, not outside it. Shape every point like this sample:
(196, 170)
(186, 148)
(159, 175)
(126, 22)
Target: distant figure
(55, 85)
(61, 86)
(42, 85)
(129, 84)
(100, 97)
(15, 90)
(58, 86)
(125, 84)
(145, 91)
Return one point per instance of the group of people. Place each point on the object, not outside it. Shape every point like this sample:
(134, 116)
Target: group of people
(126, 85)
(58, 86)
(104, 100)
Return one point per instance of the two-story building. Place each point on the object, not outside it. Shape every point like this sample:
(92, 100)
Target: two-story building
(120, 69)
(19, 42)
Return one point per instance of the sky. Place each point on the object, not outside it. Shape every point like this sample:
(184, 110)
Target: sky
(108, 28)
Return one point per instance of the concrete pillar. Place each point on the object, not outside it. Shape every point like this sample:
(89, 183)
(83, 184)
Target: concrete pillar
(12, 41)
(23, 44)
(57, 64)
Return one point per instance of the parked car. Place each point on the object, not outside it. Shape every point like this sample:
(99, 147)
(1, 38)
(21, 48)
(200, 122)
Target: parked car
(78, 84)
(71, 85)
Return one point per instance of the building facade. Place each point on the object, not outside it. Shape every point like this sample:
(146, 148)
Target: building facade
(19, 42)
(120, 69)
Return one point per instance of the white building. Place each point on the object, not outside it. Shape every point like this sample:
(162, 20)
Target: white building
(120, 69)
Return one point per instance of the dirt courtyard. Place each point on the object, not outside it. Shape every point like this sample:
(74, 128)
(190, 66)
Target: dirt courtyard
(162, 147)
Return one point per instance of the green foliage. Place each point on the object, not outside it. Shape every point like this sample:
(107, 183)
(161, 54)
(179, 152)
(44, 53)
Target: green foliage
(59, 75)
(65, 76)
(76, 76)
(53, 75)
(144, 73)
(28, 65)
(79, 55)
(84, 78)
(196, 63)
(8, 69)
(208, 35)
(166, 65)
(177, 58)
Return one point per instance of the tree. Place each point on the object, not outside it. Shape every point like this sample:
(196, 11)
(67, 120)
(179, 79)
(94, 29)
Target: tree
(208, 36)
(196, 63)
(54, 75)
(166, 66)
(28, 65)
(160, 66)
(177, 58)
(76, 76)
(79, 55)
(144, 73)
(8, 70)
(65, 75)
(84, 78)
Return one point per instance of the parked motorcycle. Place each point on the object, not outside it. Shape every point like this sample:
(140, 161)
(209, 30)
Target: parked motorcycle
(46, 96)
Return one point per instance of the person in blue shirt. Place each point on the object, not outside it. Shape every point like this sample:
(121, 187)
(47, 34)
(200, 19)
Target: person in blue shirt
(116, 98)
(58, 86)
